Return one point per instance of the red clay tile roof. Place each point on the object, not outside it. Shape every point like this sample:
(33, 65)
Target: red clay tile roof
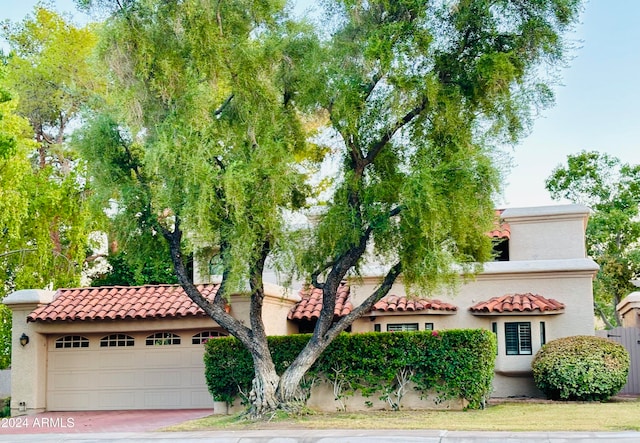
(393, 303)
(502, 229)
(311, 304)
(518, 303)
(121, 302)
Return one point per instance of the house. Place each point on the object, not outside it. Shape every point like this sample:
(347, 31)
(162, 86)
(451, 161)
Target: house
(141, 348)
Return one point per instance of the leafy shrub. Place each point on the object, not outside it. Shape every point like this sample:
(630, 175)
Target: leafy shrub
(5, 407)
(581, 368)
(454, 363)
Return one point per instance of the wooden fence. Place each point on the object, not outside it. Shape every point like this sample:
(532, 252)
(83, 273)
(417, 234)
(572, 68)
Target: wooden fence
(630, 339)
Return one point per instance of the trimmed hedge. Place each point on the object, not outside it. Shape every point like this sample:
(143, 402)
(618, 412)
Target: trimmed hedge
(582, 367)
(453, 363)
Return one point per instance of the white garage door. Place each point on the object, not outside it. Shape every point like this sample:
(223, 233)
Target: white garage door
(126, 371)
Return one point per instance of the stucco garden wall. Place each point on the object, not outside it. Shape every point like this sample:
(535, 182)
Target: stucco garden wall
(323, 399)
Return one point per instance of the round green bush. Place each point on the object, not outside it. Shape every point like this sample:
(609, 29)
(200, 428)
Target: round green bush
(585, 368)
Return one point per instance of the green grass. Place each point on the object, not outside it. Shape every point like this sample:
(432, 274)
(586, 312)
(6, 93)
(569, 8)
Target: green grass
(548, 416)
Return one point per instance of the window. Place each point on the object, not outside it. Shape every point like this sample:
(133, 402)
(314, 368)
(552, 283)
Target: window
(163, 338)
(202, 337)
(72, 341)
(398, 327)
(428, 326)
(494, 329)
(543, 334)
(376, 327)
(116, 340)
(518, 338)
(500, 249)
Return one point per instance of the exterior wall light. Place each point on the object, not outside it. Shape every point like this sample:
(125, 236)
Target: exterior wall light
(24, 339)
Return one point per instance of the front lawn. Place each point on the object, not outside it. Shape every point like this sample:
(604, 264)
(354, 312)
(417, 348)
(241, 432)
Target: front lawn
(509, 416)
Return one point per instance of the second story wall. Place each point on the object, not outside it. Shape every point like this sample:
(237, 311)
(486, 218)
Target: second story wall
(547, 232)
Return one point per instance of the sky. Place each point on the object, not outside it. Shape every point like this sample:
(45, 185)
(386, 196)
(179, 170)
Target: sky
(597, 103)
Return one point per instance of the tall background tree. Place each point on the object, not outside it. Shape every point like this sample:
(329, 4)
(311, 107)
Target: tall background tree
(48, 75)
(44, 217)
(611, 189)
(203, 140)
(15, 145)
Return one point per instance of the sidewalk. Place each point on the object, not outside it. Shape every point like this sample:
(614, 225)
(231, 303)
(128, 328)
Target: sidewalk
(332, 436)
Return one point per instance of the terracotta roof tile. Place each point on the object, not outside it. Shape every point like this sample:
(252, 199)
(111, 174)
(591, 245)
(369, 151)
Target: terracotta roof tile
(395, 303)
(311, 304)
(121, 302)
(501, 229)
(518, 303)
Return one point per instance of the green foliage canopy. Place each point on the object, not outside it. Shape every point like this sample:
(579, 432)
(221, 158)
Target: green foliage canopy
(198, 137)
(44, 219)
(419, 95)
(206, 131)
(612, 189)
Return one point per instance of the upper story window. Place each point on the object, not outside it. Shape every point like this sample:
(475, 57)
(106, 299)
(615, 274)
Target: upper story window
(116, 340)
(203, 336)
(162, 338)
(517, 337)
(72, 341)
(500, 249)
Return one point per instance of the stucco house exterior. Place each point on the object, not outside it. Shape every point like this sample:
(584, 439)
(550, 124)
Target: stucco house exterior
(141, 348)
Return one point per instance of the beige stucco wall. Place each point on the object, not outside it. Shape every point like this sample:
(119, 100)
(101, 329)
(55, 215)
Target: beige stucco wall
(547, 232)
(322, 398)
(629, 310)
(29, 363)
(547, 257)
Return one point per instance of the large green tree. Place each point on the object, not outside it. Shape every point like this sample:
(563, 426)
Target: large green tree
(48, 75)
(612, 189)
(44, 217)
(15, 143)
(204, 140)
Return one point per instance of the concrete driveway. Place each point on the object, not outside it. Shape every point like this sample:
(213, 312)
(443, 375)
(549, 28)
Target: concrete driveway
(139, 427)
(97, 421)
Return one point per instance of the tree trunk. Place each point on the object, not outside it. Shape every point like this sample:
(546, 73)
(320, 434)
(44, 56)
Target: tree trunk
(289, 390)
(263, 396)
(290, 393)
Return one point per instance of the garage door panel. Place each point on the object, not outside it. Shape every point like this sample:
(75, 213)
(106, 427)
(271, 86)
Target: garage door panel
(71, 359)
(162, 378)
(71, 380)
(166, 358)
(197, 378)
(70, 401)
(119, 379)
(198, 397)
(138, 377)
(197, 356)
(110, 359)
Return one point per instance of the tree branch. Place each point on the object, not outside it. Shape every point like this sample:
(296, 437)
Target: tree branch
(365, 306)
(214, 310)
(386, 137)
(375, 79)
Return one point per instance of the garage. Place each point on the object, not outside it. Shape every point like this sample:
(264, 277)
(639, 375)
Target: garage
(127, 371)
(120, 348)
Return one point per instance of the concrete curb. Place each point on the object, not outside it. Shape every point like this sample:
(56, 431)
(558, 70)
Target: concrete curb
(334, 436)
